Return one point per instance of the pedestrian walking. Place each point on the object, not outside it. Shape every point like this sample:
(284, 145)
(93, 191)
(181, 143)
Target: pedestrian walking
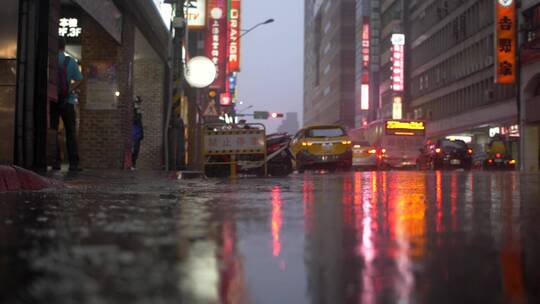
(137, 131)
(68, 80)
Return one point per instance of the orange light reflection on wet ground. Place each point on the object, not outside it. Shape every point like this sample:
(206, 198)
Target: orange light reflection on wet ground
(277, 220)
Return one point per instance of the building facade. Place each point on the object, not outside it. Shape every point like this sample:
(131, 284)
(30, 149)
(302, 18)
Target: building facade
(392, 86)
(329, 62)
(122, 48)
(530, 85)
(451, 81)
(368, 29)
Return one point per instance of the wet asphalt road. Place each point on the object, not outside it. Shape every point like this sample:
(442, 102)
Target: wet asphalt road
(365, 237)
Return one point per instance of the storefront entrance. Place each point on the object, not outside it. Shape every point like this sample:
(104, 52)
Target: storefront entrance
(8, 78)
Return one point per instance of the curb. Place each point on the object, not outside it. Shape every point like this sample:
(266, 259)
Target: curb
(13, 178)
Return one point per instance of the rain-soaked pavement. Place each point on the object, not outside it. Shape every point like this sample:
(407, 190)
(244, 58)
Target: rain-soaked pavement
(364, 237)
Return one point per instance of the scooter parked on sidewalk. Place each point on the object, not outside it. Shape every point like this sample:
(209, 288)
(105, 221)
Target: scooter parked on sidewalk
(278, 158)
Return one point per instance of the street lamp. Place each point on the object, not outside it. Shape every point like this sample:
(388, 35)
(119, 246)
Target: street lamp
(271, 20)
(244, 109)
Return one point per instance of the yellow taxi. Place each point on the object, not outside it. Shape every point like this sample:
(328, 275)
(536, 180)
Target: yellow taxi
(322, 147)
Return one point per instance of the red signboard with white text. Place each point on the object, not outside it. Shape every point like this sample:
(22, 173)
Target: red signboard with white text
(216, 40)
(234, 35)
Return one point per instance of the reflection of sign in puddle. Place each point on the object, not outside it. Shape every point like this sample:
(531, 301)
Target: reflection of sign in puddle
(101, 86)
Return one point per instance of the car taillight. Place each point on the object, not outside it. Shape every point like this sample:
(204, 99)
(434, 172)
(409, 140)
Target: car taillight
(490, 161)
(438, 150)
(498, 155)
(470, 151)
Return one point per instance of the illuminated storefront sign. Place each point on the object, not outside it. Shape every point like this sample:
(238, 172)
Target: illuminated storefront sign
(398, 62)
(365, 43)
(397, 108)
(225, 99)
(400, 127)
(364, 97)
(196, 14)
(505, 42)
(69, 28)
(216, 40)
(234, 35)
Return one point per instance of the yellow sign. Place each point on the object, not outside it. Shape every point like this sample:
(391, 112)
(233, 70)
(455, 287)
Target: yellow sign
(505, 43)
(405, 125)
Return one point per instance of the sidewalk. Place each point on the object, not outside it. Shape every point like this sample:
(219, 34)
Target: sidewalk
(116, 180)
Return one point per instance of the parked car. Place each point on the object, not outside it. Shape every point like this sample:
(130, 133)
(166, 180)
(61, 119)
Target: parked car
(445, 154)
(322, 147)
(367, 156)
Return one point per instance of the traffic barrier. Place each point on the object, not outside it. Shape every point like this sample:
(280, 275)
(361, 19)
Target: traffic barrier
(225, 145)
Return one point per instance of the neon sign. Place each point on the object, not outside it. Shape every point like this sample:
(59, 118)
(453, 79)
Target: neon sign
(234, 35)
(216, 41)
(398, 62)
(405, 125)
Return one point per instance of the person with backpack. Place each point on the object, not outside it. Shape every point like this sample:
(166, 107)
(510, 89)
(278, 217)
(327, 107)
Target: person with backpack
(137, 131)
(69, 78)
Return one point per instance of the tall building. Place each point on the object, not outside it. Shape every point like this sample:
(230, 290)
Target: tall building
(392, 59)
(368, 29)
(530, 85)
(451, 71)
(289, 124)
(329, 62)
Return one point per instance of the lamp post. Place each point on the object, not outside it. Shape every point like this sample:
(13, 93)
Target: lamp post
(245, 32)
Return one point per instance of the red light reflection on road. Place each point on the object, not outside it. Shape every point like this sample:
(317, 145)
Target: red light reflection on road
(439, 193)
(276, 220)
(453, 201)
(348, 196)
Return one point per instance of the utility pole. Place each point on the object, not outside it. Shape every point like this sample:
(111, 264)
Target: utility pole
(179, 25)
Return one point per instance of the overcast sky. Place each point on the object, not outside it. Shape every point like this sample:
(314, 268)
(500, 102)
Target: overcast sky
(272, 58)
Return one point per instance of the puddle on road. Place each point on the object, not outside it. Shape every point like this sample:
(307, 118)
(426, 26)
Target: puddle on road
(363, 237)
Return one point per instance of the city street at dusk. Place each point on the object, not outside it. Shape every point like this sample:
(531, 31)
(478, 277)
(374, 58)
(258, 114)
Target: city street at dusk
(358, 237)
(269, 152)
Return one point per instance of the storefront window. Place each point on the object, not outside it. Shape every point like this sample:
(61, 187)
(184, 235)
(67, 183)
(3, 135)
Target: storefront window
(8, 29)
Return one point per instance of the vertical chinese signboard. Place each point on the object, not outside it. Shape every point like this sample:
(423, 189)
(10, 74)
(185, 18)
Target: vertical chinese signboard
(364, 95)
(398, 62)
(216, 40)
(505, 42)
(234, 35)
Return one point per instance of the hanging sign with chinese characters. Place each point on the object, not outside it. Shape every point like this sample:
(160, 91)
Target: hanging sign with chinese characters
(70, 29)
(365, 43)
(505, 42)
(234, 35)
(216, 41)
(398, 62)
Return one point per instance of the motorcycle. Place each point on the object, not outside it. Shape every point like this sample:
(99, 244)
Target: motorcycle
(278, 158)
